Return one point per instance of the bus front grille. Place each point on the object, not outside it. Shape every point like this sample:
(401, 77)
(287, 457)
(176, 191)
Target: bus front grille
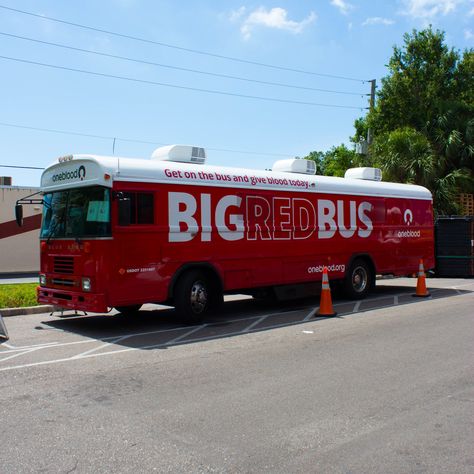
(62, 282)
(63, 265)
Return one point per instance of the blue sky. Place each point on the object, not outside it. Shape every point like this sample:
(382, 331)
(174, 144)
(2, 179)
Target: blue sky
(351, 39)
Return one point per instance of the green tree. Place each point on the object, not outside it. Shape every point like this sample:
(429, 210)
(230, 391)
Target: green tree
(409, 158)
(336, 161)
(423, 122)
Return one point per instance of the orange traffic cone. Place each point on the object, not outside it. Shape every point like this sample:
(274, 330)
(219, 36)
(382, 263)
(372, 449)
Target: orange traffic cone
(421, 282)
(325, 306)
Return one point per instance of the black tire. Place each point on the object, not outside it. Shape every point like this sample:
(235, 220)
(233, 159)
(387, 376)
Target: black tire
(360, 280)
(192, 296)
(128, 310)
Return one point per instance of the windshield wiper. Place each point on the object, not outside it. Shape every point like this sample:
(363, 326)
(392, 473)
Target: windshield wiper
(56, 225)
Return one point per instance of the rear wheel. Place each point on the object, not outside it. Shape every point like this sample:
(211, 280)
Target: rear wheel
(128, 310)
(359, 279)
(192, 296)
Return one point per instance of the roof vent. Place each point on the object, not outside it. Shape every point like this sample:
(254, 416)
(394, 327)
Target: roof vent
(370, 174)
(295, 165)
(180, 153)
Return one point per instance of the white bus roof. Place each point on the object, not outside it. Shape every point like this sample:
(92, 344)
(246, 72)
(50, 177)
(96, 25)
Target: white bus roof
(87, 170)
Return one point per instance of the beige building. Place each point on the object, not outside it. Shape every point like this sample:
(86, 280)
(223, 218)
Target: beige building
(19, 246)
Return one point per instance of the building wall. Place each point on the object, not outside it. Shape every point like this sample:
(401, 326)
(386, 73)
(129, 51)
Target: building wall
(19, 246)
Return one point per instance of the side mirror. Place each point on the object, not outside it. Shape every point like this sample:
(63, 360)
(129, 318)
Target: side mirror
(19, 214)
(124, 211)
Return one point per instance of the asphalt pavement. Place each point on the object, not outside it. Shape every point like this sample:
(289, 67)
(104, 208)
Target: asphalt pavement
(387, 386)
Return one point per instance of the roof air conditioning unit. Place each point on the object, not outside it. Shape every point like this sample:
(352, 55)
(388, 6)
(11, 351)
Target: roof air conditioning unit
(370, 174)
(295, 165)
(180, 153)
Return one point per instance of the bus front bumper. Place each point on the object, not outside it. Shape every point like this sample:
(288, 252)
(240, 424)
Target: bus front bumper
(93, 302)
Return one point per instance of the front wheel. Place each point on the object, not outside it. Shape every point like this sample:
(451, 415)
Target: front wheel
(192, 296)
(359, 280)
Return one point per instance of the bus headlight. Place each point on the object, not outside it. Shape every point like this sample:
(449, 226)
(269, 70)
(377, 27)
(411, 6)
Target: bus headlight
(42, 280)
(86, 284)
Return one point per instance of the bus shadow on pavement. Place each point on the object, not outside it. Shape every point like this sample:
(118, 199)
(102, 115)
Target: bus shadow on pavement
(159, 329)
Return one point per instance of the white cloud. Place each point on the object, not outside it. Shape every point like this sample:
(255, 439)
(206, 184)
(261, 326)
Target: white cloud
(427, 9)
(343, 6)
(273, 18)
(236, 15)
(468, 35)
(376, 20)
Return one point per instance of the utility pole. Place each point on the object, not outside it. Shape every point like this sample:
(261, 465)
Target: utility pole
(363, 146)
(371, 107)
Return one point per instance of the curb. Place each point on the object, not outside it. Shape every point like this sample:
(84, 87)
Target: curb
(26, 310)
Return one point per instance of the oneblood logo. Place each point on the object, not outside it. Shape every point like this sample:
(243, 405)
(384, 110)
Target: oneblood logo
(409, 233)
(331, 268)
(79, 173)
(408, 218)
(264, 218)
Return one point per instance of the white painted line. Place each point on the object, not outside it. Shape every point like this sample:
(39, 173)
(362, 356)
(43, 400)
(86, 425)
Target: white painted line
(63, 344)
(129, 349)
(311, 314)
(308, 332)
(357, 306)
(34, 346)
(173, 341)
(259, 320)
(8, 345)
(90, 354)
(18, 354)
(98, 348)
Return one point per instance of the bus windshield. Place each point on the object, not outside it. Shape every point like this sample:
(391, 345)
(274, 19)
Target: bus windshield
(76, 213)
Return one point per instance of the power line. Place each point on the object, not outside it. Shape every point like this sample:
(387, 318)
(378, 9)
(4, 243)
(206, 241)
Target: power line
(197, 71)
(22, 167)
(175, 86)
(180, 48)
(131, 140)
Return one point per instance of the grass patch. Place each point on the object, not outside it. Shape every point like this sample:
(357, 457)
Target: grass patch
(18, 295)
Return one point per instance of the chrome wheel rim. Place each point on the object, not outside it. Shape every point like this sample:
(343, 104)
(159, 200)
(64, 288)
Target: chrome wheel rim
(359, 279)
(198, 297)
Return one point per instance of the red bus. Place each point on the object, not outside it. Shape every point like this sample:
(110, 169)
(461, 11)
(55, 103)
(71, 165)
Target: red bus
(121, 232)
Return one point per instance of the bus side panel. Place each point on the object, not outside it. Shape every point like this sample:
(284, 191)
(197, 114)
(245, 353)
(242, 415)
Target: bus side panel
(255, 237)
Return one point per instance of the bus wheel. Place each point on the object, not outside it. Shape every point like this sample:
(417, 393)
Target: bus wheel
(128, 310)
(192, 296)
(359, 280)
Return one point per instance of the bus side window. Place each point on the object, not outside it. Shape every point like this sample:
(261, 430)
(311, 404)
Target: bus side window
(142, 209)
(145, 208)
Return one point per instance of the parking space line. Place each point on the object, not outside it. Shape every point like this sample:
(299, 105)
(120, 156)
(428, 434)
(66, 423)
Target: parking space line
(259, 320)
(182, 336)
(252, 328)
(18, 354)
(8, 345)
(98, 348)
(311, 314)
(22, 348)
